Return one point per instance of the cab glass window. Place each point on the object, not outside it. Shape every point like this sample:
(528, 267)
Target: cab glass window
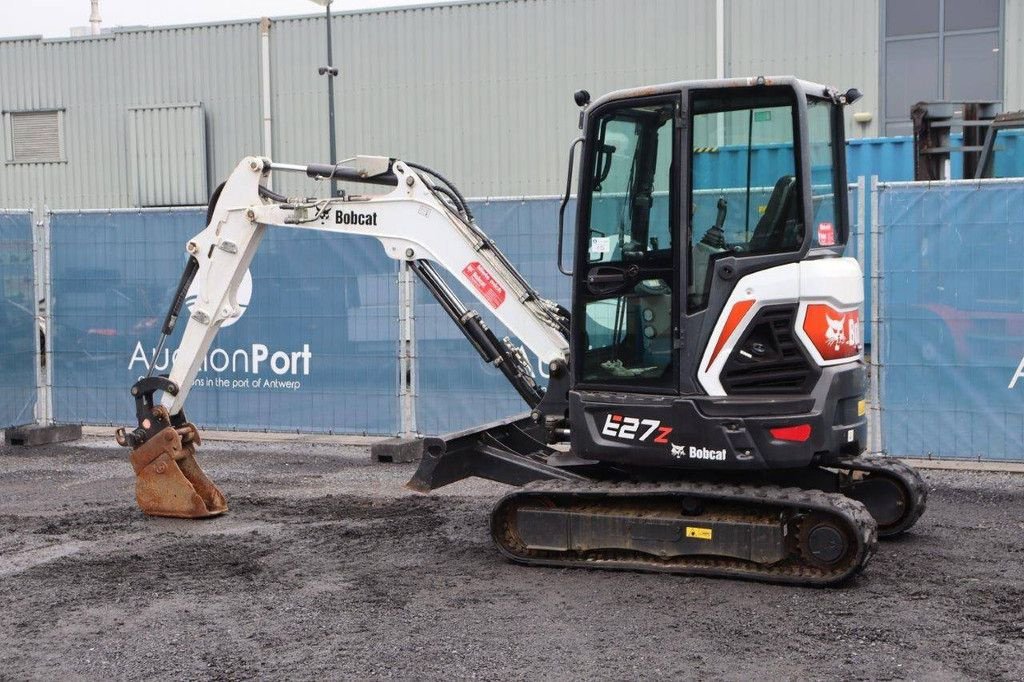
(627, 283)
(828, 224)
(744, 186)
(629, 205)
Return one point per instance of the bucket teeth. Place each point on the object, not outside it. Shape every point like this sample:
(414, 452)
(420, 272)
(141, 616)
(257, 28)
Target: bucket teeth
(169, 481)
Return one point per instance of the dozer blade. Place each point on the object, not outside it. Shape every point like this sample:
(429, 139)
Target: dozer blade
(169, 481)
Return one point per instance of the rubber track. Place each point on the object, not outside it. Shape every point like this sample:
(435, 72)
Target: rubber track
(860, 524)
(908, 478)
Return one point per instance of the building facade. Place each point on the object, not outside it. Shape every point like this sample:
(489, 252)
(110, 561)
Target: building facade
(479, 90)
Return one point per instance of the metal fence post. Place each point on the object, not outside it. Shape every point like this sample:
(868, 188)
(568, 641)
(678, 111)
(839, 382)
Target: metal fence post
(861, 230)
(875, 368)
(41, 286)
(406, 350)
(861, 214)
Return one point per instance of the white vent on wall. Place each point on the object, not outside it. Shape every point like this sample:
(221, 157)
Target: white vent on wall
(34, 136)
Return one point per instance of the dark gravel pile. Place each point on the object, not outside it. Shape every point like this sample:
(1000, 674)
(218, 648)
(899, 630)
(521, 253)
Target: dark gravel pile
(326, 567)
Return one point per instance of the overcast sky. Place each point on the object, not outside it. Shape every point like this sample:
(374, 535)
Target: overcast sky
(54, 18)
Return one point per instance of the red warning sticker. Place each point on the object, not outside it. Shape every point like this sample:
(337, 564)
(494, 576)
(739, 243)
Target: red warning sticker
(826, 234)
(485, 283)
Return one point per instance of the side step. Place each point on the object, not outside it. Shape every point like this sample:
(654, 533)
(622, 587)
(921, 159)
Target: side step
(766, 533)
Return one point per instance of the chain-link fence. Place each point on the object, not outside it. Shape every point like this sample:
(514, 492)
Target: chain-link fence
(329, 342)
(951, 319)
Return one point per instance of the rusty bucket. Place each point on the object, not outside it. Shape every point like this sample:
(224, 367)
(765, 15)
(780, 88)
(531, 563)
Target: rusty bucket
(169, 481)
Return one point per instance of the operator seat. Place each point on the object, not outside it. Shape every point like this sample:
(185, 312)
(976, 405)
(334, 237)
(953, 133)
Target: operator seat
(777, 230)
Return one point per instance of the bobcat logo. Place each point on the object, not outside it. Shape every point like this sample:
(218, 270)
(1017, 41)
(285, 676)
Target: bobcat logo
(698, 452)
(834, 335)
(842, 332)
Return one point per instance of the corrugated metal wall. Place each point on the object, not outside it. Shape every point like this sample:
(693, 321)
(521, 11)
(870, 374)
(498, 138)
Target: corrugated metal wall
(97, 80)
(828, 41)
(167, 155)
(483, 91)
(480, 90)
(1013, 55)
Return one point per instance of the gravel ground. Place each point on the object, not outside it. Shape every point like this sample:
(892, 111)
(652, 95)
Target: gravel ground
(326, 567)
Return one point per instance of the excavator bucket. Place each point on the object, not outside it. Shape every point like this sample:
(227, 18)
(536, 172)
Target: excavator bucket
(169, 481)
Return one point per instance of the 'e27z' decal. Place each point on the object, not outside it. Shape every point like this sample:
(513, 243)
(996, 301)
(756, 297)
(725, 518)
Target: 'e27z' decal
(632, 428)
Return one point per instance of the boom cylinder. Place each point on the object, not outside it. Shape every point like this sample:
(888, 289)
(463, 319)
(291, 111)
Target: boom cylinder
(491, 349)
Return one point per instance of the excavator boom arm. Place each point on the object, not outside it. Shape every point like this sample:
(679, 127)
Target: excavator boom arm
(412, 224)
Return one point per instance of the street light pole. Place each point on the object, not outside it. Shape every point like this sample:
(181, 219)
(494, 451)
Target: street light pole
(330, 71)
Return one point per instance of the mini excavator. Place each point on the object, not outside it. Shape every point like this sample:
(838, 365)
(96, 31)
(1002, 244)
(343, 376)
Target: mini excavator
(705, 407)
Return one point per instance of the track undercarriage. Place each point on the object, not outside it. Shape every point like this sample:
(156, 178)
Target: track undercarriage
(767, 533)
(814, 526)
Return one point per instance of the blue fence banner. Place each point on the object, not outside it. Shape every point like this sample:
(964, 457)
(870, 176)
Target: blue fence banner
(19, 339)
(952, 309)
(315, 349)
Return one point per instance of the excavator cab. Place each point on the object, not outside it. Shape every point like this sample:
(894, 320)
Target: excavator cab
(702, 208)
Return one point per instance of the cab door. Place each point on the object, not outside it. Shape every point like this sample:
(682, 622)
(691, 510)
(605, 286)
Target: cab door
(626, 298)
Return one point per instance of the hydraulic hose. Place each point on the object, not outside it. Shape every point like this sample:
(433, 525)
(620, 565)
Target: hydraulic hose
(448, 183)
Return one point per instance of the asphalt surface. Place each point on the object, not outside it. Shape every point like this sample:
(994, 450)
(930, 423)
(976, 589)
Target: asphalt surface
(326, 567)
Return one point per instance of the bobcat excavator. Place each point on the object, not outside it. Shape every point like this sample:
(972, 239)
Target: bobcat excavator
(705, 409)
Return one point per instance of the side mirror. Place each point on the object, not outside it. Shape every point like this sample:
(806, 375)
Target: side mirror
(851, 96)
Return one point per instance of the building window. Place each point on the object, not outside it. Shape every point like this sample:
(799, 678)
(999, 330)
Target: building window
(940, 50)
(34, 136)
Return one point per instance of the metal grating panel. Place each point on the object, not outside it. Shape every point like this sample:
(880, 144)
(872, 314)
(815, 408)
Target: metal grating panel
(35, 136)
(167, 155)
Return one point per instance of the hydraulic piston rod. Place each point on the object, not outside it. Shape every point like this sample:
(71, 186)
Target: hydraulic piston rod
(479, 335)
